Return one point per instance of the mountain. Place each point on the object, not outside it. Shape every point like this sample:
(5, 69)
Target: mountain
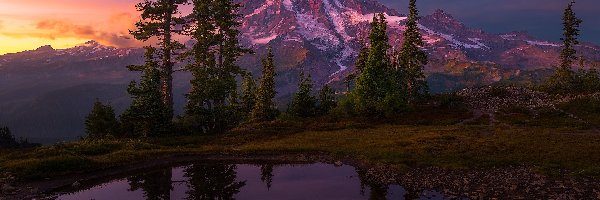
(47, 92)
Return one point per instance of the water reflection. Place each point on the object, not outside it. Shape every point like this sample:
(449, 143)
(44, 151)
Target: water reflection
(212, 181)
(241, 181)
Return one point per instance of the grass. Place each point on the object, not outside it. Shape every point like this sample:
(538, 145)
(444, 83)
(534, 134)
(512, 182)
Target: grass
(423, 137)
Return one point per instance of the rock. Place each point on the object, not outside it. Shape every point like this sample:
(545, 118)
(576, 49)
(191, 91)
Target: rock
(76, 184)
(338, 163)
(7, 189)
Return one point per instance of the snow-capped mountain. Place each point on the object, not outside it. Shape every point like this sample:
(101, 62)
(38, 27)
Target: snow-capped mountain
(46, 93)
(323, 37)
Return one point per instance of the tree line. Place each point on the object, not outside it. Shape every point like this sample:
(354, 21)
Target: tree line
(223, 95)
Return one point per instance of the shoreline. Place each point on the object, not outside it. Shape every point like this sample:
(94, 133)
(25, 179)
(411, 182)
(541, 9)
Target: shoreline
(511, 182)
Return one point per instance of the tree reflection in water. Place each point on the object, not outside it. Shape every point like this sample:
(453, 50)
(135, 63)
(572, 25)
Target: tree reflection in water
(266, 174)
(156, 185)
(212, 181)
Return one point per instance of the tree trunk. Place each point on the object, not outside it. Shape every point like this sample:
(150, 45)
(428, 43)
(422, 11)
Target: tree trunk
(167, 76)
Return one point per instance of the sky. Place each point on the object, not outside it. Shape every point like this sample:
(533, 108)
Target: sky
(541, 18)
(28, 24)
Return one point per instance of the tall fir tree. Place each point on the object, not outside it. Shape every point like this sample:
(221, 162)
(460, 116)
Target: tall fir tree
(213, 100)
(570, 33)
(564, 80)
(264, 109)
(101, 121)
(326, 100)
(412, 59)
(248, 97)
(373, 84)
(147, 114)
(159, 20)
(303, 103)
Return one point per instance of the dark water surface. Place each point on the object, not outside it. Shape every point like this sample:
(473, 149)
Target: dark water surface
(243, 181)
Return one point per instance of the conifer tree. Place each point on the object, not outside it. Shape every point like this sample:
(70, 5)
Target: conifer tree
(101, 121)
(159, 20)
(303, 103)
(571, 32)
(213, 100)
(7, 140)
(248, 97)
(412, 59)
(147, 114)
(264, 109)
(564, 78)
(326, 100)
(373, 83)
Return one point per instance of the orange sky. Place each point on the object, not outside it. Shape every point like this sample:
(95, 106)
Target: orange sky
(28, 24)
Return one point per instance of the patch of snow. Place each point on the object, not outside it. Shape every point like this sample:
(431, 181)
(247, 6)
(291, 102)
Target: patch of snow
(337, 20)
(508, 36)
(478, 42)
(357, 18)
(542, 43)
(288, 5)
(262, 8)
(455, 43)
(312, 30)
(264, 40)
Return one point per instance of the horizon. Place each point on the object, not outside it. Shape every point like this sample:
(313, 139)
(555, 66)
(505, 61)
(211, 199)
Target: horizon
(67, 23)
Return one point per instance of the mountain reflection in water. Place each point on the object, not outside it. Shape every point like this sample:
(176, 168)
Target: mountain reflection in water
(243, 181)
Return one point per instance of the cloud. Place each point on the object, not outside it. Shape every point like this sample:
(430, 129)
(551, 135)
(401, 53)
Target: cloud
(1, 24)
(119, 37)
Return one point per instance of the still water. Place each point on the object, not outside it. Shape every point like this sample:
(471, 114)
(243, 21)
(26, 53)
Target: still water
(243, 181)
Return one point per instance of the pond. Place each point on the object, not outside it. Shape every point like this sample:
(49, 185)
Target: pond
(246, 181)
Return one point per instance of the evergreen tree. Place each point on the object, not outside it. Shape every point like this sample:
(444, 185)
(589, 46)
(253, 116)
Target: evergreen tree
(248, 98)
(264, 109)
(564, 79)
(373, 84)
(159, 20)
(101, 121)
(412, 59)
(570, 33)
(147, 114)
(7, 140)
(303, 103)
(362, 59)
(326, 100)
(213, 102)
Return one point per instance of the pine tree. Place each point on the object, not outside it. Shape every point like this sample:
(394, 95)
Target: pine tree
(303, 103)
(326, 100)
(147, 114)
(363, 56)
(571, 31)
(7, 140)
(159, 20)
(101, 121)
(564, 79)
(213, 101)
(248, 98)
(373, 85)
(412, 59)
(264, 109)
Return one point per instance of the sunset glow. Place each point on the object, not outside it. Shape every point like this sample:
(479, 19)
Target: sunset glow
(28, 24)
